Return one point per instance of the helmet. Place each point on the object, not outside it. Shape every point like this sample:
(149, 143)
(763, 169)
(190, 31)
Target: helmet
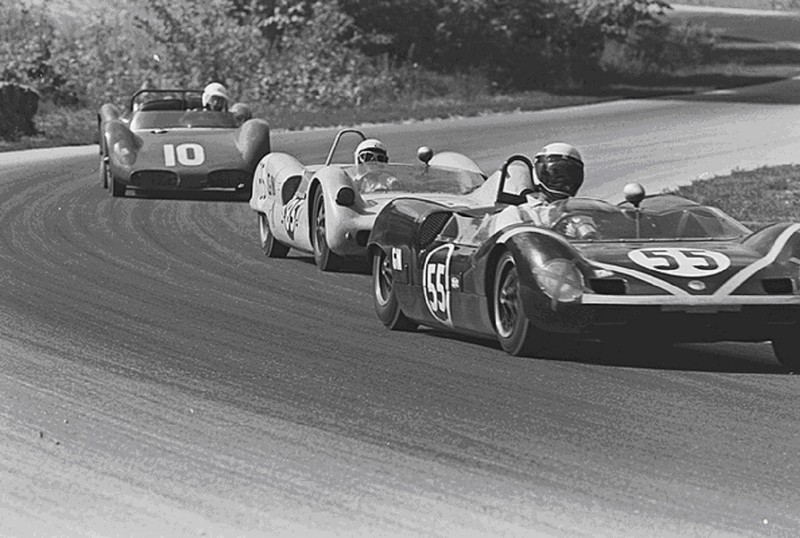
(215, 97)
(371, 150)
(559, 170)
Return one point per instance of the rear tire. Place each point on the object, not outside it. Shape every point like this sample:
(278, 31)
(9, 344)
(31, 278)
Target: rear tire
(515, 333)
(386, 306)
(271, 246)
(117, 188)
(324, 257)
(787, 349)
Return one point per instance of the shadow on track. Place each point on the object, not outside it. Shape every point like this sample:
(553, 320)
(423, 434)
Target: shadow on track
(727, 357)
(204, 196)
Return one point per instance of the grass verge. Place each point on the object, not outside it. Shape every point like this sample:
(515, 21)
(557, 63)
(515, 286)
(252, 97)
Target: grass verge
(764, 195)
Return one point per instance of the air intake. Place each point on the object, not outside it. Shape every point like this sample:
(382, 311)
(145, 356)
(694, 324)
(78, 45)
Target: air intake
(433, 225)
(777, 286)
(608, 286)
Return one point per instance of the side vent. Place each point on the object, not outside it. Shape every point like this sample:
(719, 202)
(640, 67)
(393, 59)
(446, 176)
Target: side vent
(777, 286)
(608, 286)
(431, 227)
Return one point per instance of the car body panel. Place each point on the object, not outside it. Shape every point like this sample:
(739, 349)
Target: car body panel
(718, 281)
(284, 191)
(162, 147)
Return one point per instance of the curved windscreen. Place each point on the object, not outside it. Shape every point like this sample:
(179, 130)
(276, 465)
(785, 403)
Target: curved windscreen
(376, 178)
(182, 119)
(658, 218)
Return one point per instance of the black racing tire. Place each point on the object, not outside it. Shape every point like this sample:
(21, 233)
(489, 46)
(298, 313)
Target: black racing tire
(103, 172)
(787, 350)
(324, 257)
(514, 332)
(384, 297)
(271, 246)
(117, 189)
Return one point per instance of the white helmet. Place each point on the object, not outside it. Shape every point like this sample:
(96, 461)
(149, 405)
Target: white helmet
(559, 169)
(371, 150)
(215, 97)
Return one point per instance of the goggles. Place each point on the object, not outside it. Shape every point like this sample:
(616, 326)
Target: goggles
(370, 156)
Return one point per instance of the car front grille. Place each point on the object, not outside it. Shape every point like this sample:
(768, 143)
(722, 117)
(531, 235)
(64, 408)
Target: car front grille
(227, 178)
(433, 225)
(154, 179)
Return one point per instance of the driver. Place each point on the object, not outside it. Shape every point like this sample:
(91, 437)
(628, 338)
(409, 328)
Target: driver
(215, 97)
(371, 150)
(558, 174)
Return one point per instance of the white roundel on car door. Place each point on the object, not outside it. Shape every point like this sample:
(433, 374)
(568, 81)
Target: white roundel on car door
(436, 283)
(682, 262)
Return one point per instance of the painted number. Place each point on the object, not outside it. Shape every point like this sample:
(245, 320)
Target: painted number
(436, 282)
(397, 259)
(188, 154)
(435, 288)
(681, 261)
(291, 215)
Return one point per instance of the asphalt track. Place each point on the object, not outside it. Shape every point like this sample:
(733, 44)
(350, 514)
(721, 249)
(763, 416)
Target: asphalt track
(160, 376)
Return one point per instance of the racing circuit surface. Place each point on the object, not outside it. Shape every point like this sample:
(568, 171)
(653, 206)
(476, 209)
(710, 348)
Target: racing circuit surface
(160, 376)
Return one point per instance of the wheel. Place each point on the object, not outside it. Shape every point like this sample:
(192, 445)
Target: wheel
(117, 188)
(325, 259)
(516, 334)
(384, 297)
(271, 246)
(787, 349)
(103, 172)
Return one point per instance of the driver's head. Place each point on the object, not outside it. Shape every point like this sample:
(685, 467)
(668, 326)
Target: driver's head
(371, 150)
(215, 97)
(559, 170)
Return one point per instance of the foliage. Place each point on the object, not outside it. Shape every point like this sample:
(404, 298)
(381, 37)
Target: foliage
(28, 53)
(322, 54)
(766, 194)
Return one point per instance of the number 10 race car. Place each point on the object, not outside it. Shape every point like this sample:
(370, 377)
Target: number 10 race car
(166, 143)
(660, 268)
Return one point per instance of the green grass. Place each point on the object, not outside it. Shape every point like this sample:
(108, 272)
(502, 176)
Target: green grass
(766, 194)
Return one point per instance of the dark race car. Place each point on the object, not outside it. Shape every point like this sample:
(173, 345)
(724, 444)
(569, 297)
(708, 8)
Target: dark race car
(659, 269)
(166, 143)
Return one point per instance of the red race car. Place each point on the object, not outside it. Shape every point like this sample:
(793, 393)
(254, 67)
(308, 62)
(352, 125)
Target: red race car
(165, 143)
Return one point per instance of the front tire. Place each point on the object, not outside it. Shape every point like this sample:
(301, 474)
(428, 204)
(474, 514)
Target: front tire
(787, 350)
(324, 257)
(383, 293)
(516, 334)
(103, 172)
(271, 246)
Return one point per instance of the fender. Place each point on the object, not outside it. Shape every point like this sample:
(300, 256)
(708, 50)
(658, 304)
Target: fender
(275, 180)
(123, 148)
(399, 221)
(253, 141)
(330, 179)
(532, 248)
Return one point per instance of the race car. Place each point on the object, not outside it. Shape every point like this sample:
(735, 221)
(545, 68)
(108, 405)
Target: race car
(166, 143)
(660, 269)
(329, 209)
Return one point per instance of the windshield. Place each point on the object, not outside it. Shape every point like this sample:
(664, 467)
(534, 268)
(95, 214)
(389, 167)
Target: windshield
(172, 119)
(659, 217)
(375, 178)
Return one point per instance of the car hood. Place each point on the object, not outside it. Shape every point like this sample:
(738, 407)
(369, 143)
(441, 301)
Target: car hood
(694, 266)
(195, 150)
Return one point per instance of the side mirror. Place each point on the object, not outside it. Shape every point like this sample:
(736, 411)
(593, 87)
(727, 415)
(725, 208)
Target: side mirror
(634, 194)
(425, 154)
